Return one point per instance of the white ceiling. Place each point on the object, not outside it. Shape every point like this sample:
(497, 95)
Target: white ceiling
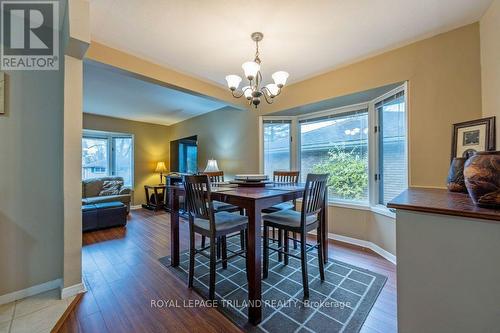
(210, 39)
(116, 94)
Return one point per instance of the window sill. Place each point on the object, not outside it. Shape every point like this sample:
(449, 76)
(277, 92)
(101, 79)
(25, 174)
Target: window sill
(383, 210)
(378, 209)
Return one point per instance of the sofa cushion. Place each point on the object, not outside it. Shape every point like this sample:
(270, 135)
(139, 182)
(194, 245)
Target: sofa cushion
(125, 198)
(111, 187)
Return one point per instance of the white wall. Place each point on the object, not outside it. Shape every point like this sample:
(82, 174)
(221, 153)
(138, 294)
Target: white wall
(490, 63)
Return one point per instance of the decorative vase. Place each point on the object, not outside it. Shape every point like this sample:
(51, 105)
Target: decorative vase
(456, 182)
(482, 178)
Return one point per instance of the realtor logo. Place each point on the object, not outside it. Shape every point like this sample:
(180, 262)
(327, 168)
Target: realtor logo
(30, 35)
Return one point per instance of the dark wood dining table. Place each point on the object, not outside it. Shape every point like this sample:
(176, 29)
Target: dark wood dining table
(253, 200)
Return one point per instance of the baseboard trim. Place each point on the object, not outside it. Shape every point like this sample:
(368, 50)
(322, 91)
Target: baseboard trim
(136, 207)
(73, 290)
(369, 245)
(39, 288)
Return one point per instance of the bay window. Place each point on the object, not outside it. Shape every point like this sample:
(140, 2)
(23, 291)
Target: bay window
(362, 147)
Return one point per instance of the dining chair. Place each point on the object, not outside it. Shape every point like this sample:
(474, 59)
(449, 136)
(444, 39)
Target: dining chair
(218, 177)
(302, 222)
(217, 226)
(283, 177)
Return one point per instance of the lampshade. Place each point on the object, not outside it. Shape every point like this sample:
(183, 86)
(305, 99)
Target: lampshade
(273, 89)
(250, 68)
(248, 92)
(212, 166)
(233, 81)
(160, 167)
(280, 78)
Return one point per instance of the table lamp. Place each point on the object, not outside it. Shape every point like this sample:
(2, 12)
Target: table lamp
(212, 166)
(161, 168)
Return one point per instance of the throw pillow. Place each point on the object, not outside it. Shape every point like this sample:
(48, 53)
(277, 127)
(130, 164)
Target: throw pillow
(111, 187)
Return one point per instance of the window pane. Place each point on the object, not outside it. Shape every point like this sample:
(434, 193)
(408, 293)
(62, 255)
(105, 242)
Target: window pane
(392, 149)
(94, 158)
(123, 159)
(276, 147)
(338, 146)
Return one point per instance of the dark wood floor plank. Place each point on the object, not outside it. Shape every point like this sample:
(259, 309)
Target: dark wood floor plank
(122, 274)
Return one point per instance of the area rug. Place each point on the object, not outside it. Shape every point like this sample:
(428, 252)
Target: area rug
(341, 303)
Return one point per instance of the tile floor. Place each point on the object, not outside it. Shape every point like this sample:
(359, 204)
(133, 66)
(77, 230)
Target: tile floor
(35, 314)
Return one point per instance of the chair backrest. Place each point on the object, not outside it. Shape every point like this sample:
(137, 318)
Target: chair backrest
(314, 195)
(215, 176)
(198, 200)
(286, 176)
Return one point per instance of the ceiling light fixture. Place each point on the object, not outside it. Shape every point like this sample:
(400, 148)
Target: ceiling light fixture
(253, 92)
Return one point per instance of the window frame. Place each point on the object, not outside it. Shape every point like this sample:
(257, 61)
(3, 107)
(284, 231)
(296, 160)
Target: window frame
(111, 163)
(373, 146)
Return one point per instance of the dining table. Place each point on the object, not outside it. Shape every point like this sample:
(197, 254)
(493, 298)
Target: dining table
(253, 200)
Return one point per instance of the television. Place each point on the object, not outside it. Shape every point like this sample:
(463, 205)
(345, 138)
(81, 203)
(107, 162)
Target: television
(184, 155)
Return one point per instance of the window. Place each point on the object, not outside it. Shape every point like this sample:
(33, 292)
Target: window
(363, 147)
(106, 154)
(337, 145)
(276, 145)
(393, 157)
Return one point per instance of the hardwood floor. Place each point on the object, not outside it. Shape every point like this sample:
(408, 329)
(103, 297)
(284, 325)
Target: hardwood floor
(123, 275)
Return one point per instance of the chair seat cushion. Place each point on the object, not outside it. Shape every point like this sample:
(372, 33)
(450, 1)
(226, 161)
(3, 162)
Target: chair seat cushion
(290, 218)
(222, 206)
(223, 221)
(278, 207)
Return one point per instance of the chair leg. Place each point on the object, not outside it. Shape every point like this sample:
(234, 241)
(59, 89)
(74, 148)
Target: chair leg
(191, 258)
(320, 256)
(218, 248)
(203, 240)
(280, 244)
(266, 252)
(224, 252)
(242, 239)
(295, 241)
(303, 256)
(286, 245)
(213, 260)
(274, 234)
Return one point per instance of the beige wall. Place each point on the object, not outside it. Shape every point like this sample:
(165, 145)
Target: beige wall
(444, 81)
(31, 183)
(230, 136)
(490, 64)
(151, 144)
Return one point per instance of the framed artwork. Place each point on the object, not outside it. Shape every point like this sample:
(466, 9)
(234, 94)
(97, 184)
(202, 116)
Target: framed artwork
(472, 136)
(2, 93)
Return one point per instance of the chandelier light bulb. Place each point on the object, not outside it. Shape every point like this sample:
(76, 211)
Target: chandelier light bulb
(273, 89)
(280, 78)
(248, 92)
(251, 68)
(233, 81)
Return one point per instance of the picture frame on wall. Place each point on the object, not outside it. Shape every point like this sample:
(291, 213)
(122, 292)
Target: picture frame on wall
(473, 136)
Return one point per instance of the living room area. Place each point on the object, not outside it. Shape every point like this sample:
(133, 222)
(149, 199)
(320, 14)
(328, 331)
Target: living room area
(198, 171)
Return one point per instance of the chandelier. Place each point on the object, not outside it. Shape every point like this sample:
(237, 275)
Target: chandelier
(253, 91)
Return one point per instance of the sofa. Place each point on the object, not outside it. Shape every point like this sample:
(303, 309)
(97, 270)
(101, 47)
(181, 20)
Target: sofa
(105, 189)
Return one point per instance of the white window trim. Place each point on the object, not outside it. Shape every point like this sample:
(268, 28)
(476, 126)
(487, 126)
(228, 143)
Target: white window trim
(109, 137)
(373, 186)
